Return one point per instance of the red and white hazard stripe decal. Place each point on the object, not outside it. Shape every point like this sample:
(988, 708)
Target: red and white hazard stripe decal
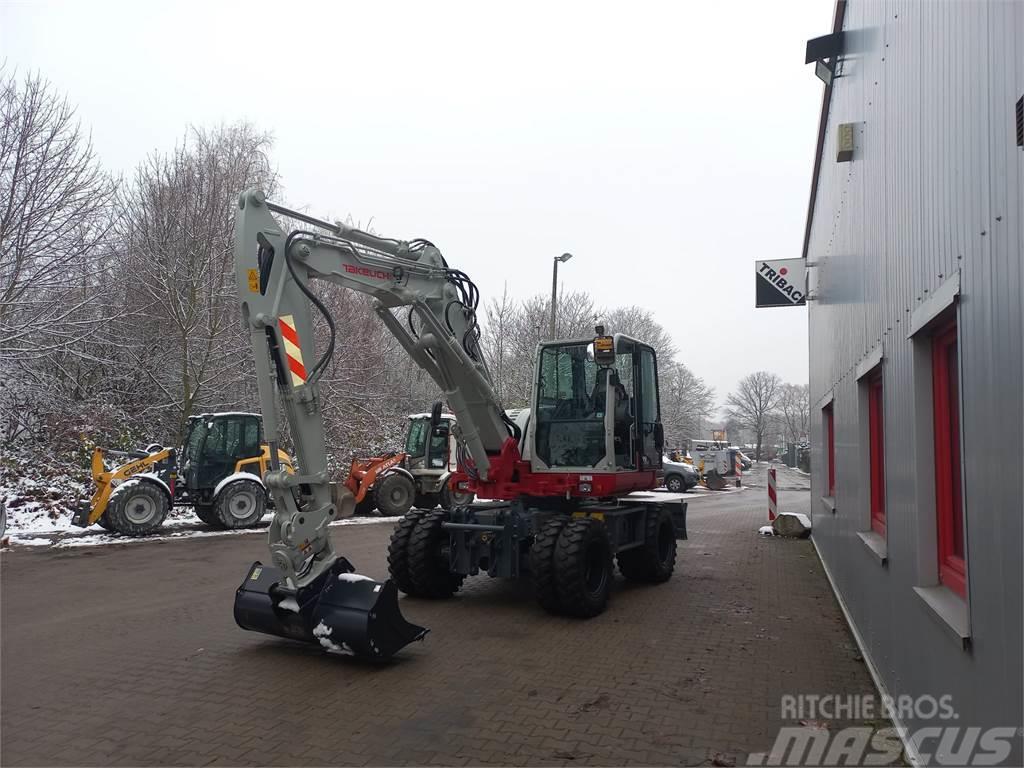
(773, 508)
(292, 349)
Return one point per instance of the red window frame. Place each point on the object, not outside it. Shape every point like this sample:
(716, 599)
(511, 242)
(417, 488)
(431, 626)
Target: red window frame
(948, 486)
(830, 447)
(876, 448)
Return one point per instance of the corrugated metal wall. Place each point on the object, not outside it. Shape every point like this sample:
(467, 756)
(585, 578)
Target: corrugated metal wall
(935, 187)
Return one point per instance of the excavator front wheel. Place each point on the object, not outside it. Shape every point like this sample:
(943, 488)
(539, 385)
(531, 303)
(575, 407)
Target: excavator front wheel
(542, 563)
(398, 551)
(429, 571)
(583, 568)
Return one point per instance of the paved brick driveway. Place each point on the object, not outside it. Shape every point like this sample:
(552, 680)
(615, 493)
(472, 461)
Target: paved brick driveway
(129, 656)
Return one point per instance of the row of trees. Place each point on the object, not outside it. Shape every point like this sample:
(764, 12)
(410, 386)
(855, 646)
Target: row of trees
(764, 406)
(119, 314)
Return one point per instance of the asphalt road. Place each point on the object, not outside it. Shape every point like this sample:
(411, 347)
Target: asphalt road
(129, 655)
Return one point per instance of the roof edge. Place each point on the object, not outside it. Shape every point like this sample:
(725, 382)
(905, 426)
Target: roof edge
(826, 100)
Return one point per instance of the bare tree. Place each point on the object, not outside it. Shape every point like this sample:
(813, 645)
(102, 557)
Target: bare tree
(794, 411)
(753, 403)
(177, 236)
(55, 208)
(495, 337)
(685, 401)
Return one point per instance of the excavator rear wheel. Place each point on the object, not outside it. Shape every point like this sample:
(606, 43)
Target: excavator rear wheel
(398, 550)
(139, 509)
(542, 563)
(655, 560)
(429, 572)
(583, 568)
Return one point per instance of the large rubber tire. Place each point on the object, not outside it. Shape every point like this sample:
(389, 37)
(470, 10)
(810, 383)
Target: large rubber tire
(138, 511)
(205, 513)
(429, 573)
(675, 483)
(394, 494)
(449, 500)
(542, 563)
(583, 568)
(240, 504)
(655, 560)
(398, 551)
(104, 521)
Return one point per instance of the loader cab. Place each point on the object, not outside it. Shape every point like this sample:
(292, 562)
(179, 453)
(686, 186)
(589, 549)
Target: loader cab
(215, 443)
(430, 447)
(596, 406)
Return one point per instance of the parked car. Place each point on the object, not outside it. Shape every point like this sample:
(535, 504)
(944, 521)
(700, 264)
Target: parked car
(679, 476)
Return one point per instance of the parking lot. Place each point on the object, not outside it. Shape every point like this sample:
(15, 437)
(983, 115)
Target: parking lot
(128, 655)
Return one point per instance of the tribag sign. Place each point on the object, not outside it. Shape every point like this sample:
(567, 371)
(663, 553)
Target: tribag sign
(780, 283)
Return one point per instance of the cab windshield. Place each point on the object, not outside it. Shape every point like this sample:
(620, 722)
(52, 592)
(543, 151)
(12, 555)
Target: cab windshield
(570, 407)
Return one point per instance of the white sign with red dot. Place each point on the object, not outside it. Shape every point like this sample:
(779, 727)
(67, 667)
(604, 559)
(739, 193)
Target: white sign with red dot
(781, 283)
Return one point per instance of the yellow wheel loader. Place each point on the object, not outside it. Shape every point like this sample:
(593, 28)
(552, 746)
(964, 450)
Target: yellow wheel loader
(218, 471)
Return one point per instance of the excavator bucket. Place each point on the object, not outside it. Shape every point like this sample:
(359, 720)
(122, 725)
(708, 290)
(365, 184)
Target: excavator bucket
(344, 612)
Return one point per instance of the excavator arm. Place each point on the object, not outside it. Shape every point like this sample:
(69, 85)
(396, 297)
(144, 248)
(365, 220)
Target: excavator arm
(309, 591)
(276, 271)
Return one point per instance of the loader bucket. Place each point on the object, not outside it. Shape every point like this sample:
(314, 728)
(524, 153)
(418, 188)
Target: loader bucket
(714, 481)
(343, 612)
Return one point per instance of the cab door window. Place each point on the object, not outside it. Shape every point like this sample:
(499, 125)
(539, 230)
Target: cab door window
(649, 412)
(623, 391)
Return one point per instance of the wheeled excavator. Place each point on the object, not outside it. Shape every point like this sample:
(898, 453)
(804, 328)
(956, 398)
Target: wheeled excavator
(561, 478)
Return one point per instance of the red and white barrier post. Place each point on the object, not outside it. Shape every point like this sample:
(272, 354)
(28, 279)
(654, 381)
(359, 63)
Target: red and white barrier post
(773, 504)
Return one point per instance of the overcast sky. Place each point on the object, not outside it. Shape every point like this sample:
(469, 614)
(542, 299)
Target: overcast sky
(667, 146)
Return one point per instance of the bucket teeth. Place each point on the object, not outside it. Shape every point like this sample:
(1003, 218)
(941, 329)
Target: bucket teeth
(343, 612)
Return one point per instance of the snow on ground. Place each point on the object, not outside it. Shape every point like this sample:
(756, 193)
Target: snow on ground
(186, 527)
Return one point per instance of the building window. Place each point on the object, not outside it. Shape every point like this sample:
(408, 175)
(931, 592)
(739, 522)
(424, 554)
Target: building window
(876, 448)
(948, 490)
(830, 448)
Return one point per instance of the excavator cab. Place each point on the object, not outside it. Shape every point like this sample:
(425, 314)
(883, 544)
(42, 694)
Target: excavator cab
(597, 408)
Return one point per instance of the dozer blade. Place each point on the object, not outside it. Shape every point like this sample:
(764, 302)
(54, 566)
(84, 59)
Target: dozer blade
(342, 611)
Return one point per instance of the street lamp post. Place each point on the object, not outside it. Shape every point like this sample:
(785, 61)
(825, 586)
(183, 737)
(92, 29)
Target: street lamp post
(554, 287)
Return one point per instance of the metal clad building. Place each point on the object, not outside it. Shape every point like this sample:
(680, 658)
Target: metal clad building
(916, 233)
